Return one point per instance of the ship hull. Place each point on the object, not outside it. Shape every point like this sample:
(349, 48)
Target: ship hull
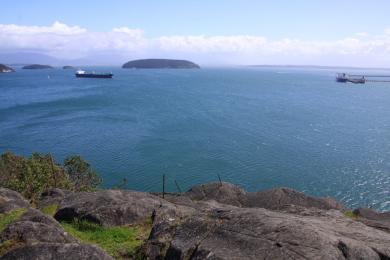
(99, 76)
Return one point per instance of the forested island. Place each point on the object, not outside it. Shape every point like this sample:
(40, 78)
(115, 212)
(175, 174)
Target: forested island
(5, 69)
(37, 67)
(160, 64)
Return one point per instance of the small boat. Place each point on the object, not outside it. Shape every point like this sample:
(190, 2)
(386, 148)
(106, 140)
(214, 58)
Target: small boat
(84, 74)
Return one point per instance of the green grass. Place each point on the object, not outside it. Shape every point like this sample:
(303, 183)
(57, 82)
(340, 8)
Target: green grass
(119, 242)
(11, 216)
(350, 214)
(7, 245)
(50, 210)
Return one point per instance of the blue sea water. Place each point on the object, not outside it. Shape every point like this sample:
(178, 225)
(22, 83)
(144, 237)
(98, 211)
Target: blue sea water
(255, 127)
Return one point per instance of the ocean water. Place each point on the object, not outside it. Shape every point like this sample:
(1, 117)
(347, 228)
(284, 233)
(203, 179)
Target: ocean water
(256, 127)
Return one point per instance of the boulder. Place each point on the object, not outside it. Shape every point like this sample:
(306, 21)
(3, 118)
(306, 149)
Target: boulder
(33, 227)
(52, 196)
(10, 199)
(223, 192)
(57, 251)
(116, 207)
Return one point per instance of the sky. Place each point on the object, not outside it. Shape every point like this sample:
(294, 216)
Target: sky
(231, 32)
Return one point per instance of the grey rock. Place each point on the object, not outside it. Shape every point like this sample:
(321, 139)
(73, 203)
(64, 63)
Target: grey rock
(279, 197)
(255, 233)
(116, 207)
(274, 199)
(44, 251)
(373, 219)
(222, 192)
(52, 196)
(10, 199)
(34, 226)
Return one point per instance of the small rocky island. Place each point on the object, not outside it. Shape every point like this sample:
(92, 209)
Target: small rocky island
(37, 67)
(160, 64)
(68, 68)
(210, 221)
(5, 69)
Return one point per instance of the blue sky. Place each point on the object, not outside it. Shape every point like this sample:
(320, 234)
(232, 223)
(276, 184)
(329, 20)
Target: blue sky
(308, 21)
(274, 19)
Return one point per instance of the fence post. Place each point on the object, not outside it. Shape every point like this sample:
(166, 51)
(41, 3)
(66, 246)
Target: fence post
(220, 181)
(178, 187)
(52, 171)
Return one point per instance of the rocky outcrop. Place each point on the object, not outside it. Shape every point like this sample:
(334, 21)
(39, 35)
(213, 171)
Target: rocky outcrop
(57, 251)
(52, 197)
(10, 199)
(373, 219)
(160, 64)
(274, 199)
(36, 67)
(255, 233)
(225, 193)
(35, 227)
(5, 69)
(115, 207)
(211, 221)
(37, 236)
(278, 198)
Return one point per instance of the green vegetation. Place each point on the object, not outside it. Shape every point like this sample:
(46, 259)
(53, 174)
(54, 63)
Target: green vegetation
(50, 210)
(10, 217)
(31, 176)
(7, 245)
(350, 214)
(119, 242)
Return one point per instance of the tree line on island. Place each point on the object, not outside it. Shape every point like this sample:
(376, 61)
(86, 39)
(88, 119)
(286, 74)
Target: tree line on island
(134, 64)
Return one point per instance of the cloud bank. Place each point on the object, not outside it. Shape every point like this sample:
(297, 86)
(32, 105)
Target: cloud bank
(123, 43)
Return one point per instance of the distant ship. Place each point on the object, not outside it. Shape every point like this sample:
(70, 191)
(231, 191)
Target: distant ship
(84, 74)
(357, 79)
(341, 77)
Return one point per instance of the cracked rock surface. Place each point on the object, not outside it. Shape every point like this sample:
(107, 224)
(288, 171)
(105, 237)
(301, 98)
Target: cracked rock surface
(210, 221)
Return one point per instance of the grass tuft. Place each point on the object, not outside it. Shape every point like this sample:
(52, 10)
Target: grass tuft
(350, 214)
(50, 210)
(119, 242)
(7, 245)
(10, 217)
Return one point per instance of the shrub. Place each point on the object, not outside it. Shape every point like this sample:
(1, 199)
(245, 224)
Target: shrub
(81, 174)
(31, 176)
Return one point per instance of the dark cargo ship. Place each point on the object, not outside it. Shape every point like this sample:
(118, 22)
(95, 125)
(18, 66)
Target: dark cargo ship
(84, 74)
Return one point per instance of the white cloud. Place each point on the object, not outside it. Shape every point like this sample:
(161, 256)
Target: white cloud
(71, 42)
(55, 28)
